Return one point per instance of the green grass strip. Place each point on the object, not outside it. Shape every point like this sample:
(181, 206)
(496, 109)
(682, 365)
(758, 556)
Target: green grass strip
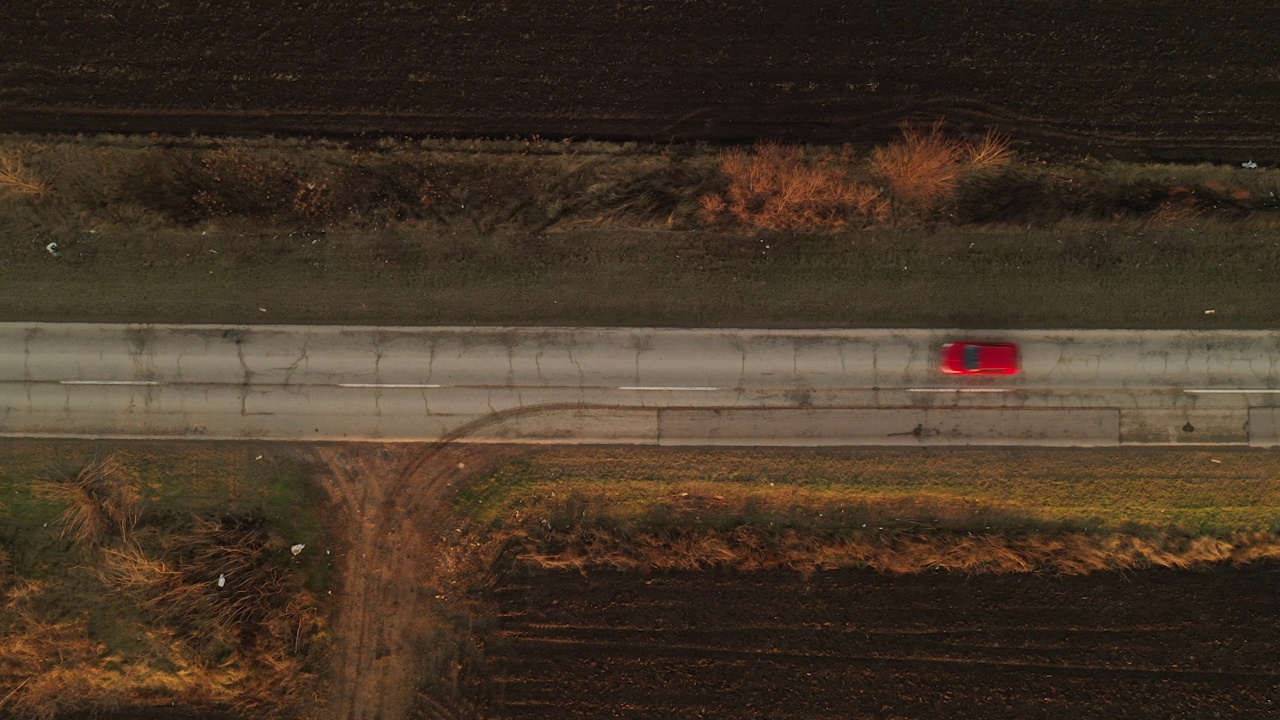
(997, 490)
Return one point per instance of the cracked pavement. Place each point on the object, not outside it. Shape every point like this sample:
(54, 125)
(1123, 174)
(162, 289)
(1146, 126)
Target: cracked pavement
(636, 385)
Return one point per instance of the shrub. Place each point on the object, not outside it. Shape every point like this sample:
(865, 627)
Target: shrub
(179, 586)
(992, 151)
(100, 502)
(16, 179)
(923, 169)
(776, 187)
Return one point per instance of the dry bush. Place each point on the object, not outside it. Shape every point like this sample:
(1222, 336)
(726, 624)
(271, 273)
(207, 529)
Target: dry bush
(151, 581)
(278, 634)
(246, 554)
(713, 205)
(100, 501)
(179, 587)
(774, 187)
(923, 169)
(313, 200)
(991, 152)
(900, 552)
(870, 202)
(16, 179)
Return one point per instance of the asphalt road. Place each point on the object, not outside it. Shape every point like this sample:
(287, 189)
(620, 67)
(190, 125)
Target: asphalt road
(654, 386)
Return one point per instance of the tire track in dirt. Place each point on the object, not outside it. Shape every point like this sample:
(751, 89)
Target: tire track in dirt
(387, 495)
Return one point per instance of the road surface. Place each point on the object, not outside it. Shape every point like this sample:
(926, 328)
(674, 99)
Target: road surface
(651, 386)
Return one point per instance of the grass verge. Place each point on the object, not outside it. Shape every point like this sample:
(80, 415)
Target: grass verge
(902, 511)
(1013, 279)
(138, 575)
(206, 230)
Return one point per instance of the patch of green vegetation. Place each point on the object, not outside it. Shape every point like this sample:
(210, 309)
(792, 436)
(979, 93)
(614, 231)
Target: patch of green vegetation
(175, 480)
(838, 490)
(903, 278)
(172, 581)
(467, 232)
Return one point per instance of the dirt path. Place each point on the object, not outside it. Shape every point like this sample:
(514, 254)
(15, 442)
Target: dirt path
(387, 495)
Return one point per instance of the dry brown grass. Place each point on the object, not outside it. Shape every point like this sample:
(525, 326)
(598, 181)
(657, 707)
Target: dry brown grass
(870, 202)
(1173, 216)
(6, 569)
(132, 619)
(277, 632)
(56, 670)
(151, 581)
(37, 658)
(178, 588)
(924, 168)
(899, 552)
(775, 187)
(991, 152)
(313, 200)
(16, 179)
(894, 511)
(964, 489)
(99, 502)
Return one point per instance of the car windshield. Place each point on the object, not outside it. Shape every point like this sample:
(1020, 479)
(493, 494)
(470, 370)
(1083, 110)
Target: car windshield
(973, 358)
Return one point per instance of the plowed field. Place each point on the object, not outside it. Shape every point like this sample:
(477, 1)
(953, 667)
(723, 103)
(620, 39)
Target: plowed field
(1139, 78)
(1156, 644)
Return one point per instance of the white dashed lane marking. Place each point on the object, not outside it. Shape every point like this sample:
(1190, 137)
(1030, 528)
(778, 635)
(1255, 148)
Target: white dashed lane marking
(1237, 391)
(704, 389)
(107, 382)
(958, 390)
(386, 385)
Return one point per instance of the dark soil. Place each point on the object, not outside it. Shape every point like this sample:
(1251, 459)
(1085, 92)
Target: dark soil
(153, 713)
(1153, 644)
(1156, 79)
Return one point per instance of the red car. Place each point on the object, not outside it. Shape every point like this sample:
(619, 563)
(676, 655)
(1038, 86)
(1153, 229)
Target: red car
(979, 358)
